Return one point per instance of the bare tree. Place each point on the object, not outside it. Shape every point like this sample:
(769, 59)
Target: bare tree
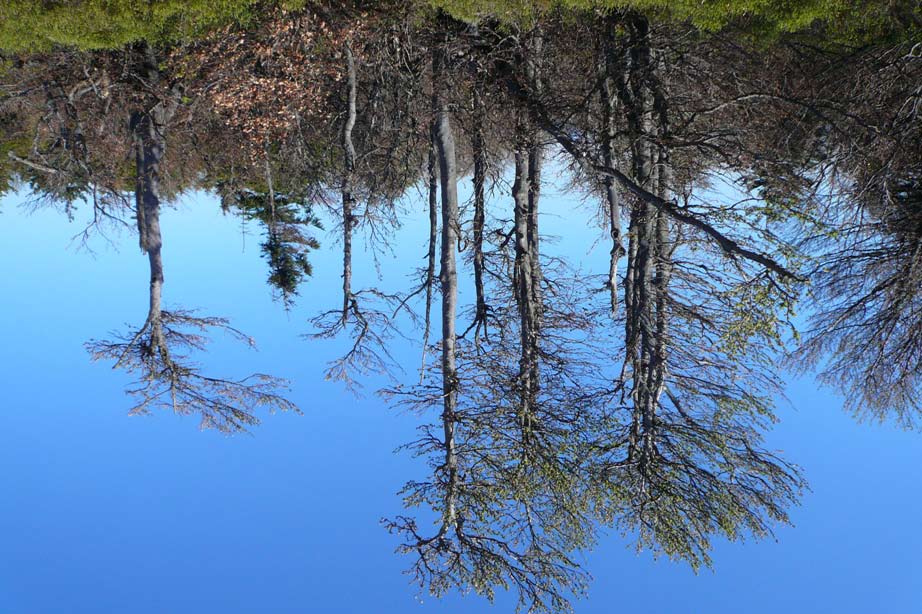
(864, 330)
(156, 350)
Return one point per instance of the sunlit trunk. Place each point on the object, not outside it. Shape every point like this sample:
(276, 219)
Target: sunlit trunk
(607, 69)
(429, 281)
(348, 180)
(448, 175)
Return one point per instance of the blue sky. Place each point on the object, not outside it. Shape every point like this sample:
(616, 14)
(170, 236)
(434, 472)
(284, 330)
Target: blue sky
(102, 512)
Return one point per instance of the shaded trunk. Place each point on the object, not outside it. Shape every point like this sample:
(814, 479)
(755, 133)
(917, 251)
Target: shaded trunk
(527, 274)
(523, 283)
(480, 171)
(148, 130)
(535, 162)
(633, 93)
(535, 165)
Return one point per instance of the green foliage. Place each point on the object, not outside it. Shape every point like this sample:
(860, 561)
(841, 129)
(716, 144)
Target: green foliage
(843, 20)
(33, 25)
(9, 171)
(287, 244)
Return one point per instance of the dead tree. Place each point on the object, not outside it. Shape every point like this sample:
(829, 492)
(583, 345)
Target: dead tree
(156, 350)
(365, 314)
(348, 197)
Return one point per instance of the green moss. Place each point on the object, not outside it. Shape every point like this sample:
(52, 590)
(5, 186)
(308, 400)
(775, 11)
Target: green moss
(32, 25)
(854, 21)
(36, 25)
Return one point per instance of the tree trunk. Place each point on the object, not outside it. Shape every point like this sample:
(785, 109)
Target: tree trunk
(609, 67)
(429, 281)
(348, 181)
(448, 277)
(633, 92)
(535, 164)
(149, 133)
(523, 281)
(664, 246)
(480, 171)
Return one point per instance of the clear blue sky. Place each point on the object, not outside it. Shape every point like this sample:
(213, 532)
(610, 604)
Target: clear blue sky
(102, 512)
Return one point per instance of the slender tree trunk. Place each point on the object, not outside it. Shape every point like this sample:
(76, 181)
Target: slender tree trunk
(348, 181)
(433, 171)
(632, 317)
(646, 395)
(480, 171)
(535, 164)
(448, 175)
(523, 280)
(527, 274)
(608, 68)
(645, 358)
(664, 246)
(633, 92)
(270, 187)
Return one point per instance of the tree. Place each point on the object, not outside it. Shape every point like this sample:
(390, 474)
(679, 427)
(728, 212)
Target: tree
(865, 302)
(165, 378)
